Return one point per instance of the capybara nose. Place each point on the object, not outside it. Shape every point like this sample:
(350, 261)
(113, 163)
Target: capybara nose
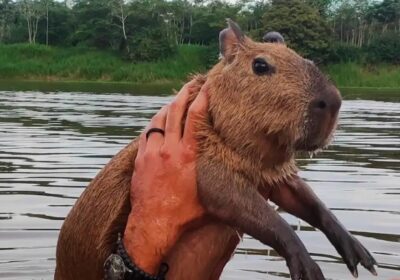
(327, 102)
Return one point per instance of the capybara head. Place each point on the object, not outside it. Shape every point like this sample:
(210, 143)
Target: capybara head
(266, 94)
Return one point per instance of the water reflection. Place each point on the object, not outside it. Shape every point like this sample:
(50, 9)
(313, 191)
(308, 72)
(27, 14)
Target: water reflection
(52, 144)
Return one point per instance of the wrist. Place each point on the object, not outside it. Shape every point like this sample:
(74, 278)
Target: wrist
(148, 241)
(119, 266)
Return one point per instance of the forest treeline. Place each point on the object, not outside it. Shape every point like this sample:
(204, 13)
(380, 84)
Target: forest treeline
(141, 30)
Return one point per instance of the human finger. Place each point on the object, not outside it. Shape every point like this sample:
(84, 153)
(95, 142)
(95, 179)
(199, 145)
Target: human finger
(141, 145)
(173, 127)
(156, 139)
(197, 111)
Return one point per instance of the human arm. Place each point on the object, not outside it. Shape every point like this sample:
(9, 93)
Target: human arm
(164, 191)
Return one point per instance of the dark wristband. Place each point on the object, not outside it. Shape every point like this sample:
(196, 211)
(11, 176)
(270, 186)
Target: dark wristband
(131, 270)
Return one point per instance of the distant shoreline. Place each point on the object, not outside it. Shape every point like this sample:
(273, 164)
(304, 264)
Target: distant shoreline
(156, 88)
(37, 67)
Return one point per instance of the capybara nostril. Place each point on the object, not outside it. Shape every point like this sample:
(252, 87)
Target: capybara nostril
(327, 102)
(334, 102)
(321, 104)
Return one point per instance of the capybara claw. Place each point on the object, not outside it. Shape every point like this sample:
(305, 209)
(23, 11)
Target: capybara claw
(372, 270)
(305, 268)
(370, 265)
(369, 262)
(354, 253)
(354, 271)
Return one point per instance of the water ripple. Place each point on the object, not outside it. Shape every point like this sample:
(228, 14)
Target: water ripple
(52, 144)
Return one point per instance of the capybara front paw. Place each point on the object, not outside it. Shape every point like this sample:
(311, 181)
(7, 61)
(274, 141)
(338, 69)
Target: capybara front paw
(302, 267)
(354, 253)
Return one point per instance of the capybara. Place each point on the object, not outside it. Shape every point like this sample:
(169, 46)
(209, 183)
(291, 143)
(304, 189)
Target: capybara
(265, 104)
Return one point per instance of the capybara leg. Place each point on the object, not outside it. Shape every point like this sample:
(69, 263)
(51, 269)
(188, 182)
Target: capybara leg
(202, 253)
(226, 257)
(232, 199)
(90, 230)
(297, 198)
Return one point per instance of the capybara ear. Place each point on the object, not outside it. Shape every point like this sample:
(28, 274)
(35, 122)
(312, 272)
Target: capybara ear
(273, 37)
(230, 40)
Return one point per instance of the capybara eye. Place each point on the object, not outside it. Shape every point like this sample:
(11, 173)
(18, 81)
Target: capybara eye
(261, 67)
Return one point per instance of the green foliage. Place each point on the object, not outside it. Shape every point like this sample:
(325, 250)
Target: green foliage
(6, 16)
(61, 24)
(384, 49)
(386, 11)
(302, 26)
(25, 61)
(209, 20)
(340, 52)
(330, 31)
(323, 6)
(150, 45)
(355, 75)
(212, 55)
(93, 24)
(38, 62)
(148, 36)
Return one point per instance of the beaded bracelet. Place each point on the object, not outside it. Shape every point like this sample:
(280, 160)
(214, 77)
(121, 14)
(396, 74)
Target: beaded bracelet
(137, 273)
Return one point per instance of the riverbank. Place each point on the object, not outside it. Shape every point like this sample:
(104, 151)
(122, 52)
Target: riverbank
(356, 75)
(80, 68)
(166, 88)
(41, 63)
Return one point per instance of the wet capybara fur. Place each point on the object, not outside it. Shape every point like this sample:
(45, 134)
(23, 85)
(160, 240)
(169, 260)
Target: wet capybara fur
(266, 103)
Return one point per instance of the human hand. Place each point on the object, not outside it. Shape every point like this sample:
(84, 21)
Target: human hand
(164, 191)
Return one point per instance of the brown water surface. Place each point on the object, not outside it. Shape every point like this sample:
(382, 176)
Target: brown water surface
(52, 144)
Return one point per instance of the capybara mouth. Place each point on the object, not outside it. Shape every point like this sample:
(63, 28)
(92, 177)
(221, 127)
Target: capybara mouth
(304, 146)
(321, 120)
(318, 135)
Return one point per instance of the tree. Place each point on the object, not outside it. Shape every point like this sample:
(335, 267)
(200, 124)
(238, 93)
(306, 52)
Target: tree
(32, 11)
(46, 4)
(302, 26)
(6, 16)
(385, 48)
(209, 20)
(152, 29)
(251, 16)
(323, 6)
(119, 11)
(58, 28)
(387, 14)
(94, 25)
(148, 30)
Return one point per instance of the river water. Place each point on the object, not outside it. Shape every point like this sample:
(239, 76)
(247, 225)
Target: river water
(52, 144)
